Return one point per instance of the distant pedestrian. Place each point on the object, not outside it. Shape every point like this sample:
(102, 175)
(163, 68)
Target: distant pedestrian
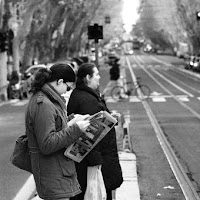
(114, 77)
(50, 131)
(13, 80)
(85, 99)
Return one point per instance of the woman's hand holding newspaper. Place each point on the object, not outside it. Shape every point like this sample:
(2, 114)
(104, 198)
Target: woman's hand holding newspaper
(83, 125)
(81, 121)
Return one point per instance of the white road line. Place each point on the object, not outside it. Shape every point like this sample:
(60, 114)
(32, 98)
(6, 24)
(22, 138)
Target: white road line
(158, 99)
(173, 84)
(170, 93)
(134, 99)
(27, 190)
(186, 85)
(160, 61)
(185, 99)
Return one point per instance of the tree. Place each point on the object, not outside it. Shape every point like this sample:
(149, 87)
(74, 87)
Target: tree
(48, 30)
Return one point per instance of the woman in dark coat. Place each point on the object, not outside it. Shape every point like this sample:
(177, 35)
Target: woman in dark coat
(85, 99)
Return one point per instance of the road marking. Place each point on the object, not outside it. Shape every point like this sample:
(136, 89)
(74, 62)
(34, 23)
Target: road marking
(158, 99)
(173, 84)
(185, 99)
(134, 66)
(134, 99)
(27, 190)
(161, 98)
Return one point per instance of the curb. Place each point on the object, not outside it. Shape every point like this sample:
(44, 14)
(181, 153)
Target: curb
(129, 188)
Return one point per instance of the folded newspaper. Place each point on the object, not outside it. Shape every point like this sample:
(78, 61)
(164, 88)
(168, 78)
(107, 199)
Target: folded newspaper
(100, 125)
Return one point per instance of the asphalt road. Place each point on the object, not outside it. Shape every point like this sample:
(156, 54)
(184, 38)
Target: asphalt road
(175, 104)
(11, 126)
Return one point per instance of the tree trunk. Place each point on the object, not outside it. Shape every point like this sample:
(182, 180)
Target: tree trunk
(3, 76)
(16, 53)
(28, 55)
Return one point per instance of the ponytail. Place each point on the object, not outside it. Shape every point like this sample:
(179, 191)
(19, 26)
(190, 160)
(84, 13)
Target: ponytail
(41, 77)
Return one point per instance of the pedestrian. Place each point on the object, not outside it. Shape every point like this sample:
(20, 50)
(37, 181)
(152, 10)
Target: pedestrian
(85, 99)
(13, 80)
(114, 76)
(50, 131)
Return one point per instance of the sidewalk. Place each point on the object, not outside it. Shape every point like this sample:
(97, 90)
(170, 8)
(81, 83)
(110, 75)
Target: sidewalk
(129, 188)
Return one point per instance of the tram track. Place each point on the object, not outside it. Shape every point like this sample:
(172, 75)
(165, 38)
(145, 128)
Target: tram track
(185, 183)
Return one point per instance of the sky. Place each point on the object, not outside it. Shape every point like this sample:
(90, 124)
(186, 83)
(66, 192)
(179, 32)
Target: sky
(129, 13)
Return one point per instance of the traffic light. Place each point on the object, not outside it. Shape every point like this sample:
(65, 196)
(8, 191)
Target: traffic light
(107, 19)
(3, 42)
(198, 15)
(95, 32)
(6, 38)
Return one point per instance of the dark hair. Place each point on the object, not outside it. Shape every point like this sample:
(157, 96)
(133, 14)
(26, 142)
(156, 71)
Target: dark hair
(84, 70)
(78, 60)
(56, 71)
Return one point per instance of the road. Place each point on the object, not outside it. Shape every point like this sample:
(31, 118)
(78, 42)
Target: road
(174, 102)
(11, 126)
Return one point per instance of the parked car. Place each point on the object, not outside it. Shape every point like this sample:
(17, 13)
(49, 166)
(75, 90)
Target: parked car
(28, 78)
(189, 62)
(196, 64)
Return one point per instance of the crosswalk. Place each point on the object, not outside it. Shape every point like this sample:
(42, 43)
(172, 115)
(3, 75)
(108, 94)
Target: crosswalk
(162, 98)
(109, 99)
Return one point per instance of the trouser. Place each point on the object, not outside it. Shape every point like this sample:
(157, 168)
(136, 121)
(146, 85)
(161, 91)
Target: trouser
(109, 194)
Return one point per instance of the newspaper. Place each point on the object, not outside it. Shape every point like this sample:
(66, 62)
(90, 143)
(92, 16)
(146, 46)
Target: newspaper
(100, 125)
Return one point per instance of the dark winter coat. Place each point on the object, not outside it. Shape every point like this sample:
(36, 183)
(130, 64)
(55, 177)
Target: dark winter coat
(48, 136)
(114, 72)
(84, 100)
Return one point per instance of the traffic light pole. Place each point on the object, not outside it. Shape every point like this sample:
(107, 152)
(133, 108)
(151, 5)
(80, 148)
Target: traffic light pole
(95, 32)
(96, 53)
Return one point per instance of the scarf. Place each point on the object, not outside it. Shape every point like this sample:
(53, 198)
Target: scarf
(54, 96)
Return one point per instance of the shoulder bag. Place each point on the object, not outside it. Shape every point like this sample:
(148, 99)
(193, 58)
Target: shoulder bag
(21, 155)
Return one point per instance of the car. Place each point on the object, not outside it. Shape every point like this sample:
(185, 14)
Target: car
(28, 78)
(196, 65)
(189, 62)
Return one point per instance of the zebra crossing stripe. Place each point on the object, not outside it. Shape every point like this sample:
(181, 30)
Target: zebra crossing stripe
(185, 99)
(158, 99)
(134, 99)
